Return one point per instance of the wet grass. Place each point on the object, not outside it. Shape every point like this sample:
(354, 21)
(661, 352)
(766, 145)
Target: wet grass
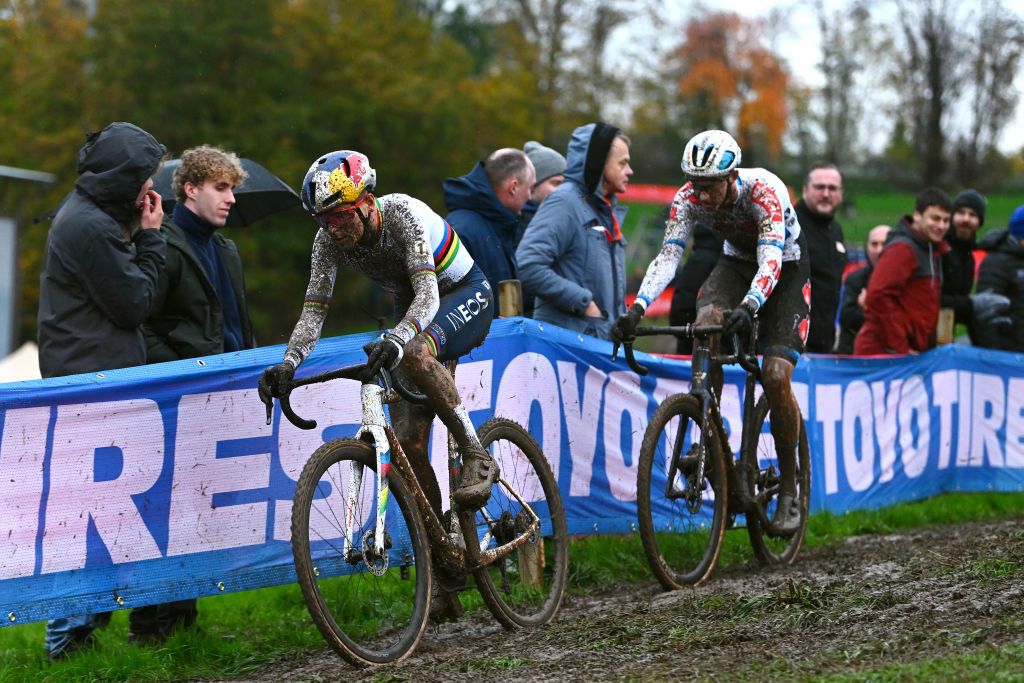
(243, 632)
(988, 663)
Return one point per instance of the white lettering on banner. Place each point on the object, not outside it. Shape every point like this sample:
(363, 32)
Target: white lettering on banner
(22, 448)
(530, 377)
(623, 397)
(987, 411)
(801, 392)
(914, 415)
(857, 412)
(963, 432)
(1015, 422)
(730, 408)
(581, 417)
(828, 402)
(473, 382)
(136, 429)
(944, 397)
(884, 405)
(331, 403)
(204, 422)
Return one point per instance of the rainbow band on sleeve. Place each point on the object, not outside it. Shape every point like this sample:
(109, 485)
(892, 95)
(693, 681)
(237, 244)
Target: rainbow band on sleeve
(434, 342)
(316, 302)
(449, 248)
(676, 241)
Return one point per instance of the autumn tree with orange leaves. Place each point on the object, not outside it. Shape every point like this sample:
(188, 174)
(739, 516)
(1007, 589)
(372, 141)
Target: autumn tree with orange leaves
(732, 80)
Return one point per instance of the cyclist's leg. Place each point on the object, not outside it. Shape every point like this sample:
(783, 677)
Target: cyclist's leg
(411, 423)
(461, 324)
(784, 323)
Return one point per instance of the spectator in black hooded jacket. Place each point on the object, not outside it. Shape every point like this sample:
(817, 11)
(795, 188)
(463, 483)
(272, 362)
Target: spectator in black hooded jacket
(102, 260)
(1002, 272)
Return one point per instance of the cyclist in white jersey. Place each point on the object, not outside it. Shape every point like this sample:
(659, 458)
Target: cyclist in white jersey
(763, 272)
(443, 301)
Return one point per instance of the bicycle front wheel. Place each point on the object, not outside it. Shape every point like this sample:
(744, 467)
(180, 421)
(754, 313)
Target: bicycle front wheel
(524, 588)
(762, 458)
(371, 607)
(682, 517)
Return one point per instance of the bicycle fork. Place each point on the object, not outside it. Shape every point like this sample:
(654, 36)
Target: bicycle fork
(372, 397)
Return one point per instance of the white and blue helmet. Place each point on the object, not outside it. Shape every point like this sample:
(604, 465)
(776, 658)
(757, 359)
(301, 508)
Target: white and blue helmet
(711, 154)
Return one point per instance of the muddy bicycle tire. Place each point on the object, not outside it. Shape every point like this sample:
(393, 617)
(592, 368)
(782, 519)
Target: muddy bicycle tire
(683, 547)
(776, 551)
(514, 591)
(365, 618)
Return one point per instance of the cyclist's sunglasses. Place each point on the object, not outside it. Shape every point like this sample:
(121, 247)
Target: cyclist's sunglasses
(334, 216)
(707, 184)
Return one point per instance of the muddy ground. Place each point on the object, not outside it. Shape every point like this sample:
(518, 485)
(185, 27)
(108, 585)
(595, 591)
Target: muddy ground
(855, 607)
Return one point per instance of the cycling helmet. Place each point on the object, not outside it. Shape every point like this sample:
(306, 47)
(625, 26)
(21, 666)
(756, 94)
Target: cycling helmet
(342, 177)
(711, 154)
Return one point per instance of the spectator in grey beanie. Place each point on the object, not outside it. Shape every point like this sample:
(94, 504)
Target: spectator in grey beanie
(958, 263)
(550, 166)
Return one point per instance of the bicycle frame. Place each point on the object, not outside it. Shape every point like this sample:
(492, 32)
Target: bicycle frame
(376, 427)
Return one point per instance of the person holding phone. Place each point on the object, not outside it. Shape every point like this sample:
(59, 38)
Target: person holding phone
(102, 261)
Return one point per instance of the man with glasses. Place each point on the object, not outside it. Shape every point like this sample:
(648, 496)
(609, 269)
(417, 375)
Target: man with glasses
(816, 213)
(762, 272)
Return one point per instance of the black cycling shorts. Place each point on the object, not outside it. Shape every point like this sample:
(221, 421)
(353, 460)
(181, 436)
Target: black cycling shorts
(784, 318)
(463, 319)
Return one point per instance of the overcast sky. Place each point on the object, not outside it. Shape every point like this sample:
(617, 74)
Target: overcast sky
(793, 33)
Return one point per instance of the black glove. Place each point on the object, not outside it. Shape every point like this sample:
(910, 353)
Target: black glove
(740, 321)
(386, 352)
(988, 305)
(274, 382)
(624, 328)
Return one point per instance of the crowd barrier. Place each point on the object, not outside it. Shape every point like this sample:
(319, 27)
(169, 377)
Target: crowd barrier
(143, 485)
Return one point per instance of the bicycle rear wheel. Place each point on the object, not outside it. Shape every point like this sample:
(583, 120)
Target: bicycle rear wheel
(524, 588)
(760, 454)
(681, 521)
(371, 609)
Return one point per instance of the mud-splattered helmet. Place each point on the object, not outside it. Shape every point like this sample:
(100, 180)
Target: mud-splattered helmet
(337, 179)
(711, 154)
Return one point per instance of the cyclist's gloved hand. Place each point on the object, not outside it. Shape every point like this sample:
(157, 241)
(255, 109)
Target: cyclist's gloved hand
(624, 328)
(988, 305)
(740, 321)
(274, 382)
(386, 352)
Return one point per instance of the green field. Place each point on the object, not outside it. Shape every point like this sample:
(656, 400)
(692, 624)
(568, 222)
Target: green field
(243, 632)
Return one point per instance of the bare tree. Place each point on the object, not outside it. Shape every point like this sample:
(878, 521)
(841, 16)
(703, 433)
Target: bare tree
(991, 99)
(847, 43)
(927, 74)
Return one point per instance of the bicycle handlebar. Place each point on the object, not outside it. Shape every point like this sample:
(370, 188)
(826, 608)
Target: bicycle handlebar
(747, 361)
(354, 372)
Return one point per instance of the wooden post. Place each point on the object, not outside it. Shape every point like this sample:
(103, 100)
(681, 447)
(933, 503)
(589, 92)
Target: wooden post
(510, 296)
(944, 329)
(531, 561)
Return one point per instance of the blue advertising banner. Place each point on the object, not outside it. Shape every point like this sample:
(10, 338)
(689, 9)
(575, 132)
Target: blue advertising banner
(144, 485)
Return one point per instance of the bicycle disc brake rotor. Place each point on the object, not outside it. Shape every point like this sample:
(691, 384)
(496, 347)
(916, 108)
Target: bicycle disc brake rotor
(377, 564)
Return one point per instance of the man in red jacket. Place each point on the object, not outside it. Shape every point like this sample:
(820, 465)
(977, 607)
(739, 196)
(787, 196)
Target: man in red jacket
(902, 306)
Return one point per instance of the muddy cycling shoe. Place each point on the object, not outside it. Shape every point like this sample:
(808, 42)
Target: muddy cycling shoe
(479, 472)
(786, 520)
(444, 605)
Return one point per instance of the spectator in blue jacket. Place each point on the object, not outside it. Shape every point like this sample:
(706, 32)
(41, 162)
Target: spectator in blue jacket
(572, 255)
(484, 207)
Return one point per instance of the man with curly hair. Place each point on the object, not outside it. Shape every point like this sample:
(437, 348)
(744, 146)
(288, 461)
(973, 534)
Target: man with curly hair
(199, 310)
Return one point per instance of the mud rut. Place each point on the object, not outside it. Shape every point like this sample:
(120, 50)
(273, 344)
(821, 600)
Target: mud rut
(862, 604)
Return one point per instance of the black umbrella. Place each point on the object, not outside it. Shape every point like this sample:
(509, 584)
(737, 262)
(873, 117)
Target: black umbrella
(262, 193)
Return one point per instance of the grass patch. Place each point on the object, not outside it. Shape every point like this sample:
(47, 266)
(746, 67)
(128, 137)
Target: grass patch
(986, 664)
(242, 632)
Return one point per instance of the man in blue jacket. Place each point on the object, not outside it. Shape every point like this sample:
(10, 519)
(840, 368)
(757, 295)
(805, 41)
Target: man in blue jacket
(572, 256)
(484, 208)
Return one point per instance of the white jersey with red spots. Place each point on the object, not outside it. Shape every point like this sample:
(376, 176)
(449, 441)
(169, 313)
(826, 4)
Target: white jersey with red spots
(758, 226)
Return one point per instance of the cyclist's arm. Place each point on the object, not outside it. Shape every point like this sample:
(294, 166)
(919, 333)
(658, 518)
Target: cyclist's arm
(318, 297)
(662, 269)
(770, 242)
(419, 261)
